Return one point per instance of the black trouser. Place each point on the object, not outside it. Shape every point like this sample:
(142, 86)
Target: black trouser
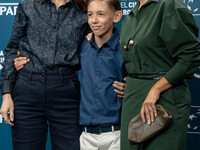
(42, 100)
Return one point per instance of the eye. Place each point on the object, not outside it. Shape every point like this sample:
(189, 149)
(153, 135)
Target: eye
(101, 14)
(89, 14)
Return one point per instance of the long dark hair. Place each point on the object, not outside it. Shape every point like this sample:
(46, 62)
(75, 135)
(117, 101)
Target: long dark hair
(80, 4)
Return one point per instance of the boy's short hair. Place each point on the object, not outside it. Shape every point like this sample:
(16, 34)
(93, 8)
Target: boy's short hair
(112, 3)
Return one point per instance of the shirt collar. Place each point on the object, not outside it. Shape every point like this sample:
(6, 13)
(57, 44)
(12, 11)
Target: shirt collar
(135, 9)
(42, 1)
(112, 42)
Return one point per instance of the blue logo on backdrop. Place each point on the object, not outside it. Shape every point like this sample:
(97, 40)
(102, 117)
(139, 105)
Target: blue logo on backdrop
(127, 5)
(8, 9)
(193, 6)
(1, 59)
(194, 120)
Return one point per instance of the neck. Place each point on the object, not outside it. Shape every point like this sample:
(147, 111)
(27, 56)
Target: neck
(100, 40)
(142, 2)
(59, 3)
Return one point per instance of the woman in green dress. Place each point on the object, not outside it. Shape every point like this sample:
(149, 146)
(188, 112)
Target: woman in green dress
(160, 47)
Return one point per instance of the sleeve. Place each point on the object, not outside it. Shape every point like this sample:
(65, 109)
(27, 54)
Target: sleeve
(179, 33)
(8, 74)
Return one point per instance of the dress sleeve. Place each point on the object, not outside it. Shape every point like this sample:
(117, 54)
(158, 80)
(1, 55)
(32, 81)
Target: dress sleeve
(8, 74)
(179, 33)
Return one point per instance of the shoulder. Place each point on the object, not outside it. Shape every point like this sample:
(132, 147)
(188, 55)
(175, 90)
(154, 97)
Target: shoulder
(172, 7)
(27, 4)
(84, 45)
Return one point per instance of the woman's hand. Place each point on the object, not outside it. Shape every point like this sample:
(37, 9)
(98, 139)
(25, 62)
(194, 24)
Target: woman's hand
(148, 111)
(19, 62)
(88, 36)
(7, 109)
(120, 87)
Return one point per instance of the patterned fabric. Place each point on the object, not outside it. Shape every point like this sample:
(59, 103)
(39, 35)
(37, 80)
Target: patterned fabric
(49, 38)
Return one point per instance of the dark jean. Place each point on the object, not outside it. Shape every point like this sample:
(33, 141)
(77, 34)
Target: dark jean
(46, 97)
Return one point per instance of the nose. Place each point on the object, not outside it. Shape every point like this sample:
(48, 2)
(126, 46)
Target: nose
(94, 19)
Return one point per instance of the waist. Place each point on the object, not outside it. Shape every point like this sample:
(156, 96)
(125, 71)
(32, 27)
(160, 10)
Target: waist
(147, 76)
(47, 75)
(100, 129)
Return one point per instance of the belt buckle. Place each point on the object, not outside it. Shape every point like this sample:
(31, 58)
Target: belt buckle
(157, 78)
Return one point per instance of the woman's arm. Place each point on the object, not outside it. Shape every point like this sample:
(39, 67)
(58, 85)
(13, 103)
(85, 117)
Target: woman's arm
(148, 111)
(179, 33)
(8, 74)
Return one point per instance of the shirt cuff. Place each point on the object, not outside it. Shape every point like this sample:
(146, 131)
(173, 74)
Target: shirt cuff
(6, 87)
(177, 72)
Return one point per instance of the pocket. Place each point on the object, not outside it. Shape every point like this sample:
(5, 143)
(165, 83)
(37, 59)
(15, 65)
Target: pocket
(182, 96)
(76, 84)
(17, 84)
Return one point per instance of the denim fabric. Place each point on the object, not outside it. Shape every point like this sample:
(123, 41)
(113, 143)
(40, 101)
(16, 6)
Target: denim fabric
(49, 38)
(42, 97)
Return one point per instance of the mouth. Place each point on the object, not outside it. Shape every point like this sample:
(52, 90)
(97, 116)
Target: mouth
(96, 27)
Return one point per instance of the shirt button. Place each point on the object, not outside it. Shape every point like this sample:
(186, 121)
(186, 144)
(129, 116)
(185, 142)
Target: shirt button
(95, 86)
(98, 54)
(42, 75)
(97, 70)
(54, 27)
(131, 42)
(125, 47)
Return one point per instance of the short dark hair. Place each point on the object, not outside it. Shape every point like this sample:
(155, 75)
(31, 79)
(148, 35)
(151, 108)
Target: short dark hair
(112, 3)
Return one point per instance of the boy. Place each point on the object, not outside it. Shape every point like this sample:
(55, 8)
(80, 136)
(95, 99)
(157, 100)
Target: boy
(101, 65)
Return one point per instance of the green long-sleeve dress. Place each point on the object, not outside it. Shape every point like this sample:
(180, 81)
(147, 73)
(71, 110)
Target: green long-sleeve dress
(161, 37)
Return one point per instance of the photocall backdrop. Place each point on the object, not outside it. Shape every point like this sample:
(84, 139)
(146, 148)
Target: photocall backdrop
(7, 15)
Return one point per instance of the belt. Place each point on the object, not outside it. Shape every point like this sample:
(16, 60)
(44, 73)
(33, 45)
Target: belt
(52, 76)
(100, 129)
(147, 76)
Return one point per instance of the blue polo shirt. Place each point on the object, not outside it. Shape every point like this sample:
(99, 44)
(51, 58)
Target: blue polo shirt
(100, 67)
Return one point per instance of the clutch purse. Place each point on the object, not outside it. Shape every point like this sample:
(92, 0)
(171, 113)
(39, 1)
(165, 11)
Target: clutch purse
(139, 132)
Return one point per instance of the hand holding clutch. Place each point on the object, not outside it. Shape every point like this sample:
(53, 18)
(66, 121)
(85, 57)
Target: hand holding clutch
(138, 131)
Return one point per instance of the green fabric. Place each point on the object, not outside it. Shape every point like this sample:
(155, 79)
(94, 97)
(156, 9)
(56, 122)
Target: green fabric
(165, 39)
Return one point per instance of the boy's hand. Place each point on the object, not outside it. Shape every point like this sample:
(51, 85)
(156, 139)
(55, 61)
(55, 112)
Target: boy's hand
(19, 62)
(120, 87)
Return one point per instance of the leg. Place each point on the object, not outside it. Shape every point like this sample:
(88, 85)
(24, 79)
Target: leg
(63, 114)
(30, 130)
(89, 141)
(109, 141)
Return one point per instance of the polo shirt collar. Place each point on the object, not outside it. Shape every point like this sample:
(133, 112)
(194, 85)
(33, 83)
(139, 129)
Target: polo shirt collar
(135, 9)
(112, 42)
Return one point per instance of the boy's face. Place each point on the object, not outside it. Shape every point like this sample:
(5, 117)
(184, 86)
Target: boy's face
(100, 18)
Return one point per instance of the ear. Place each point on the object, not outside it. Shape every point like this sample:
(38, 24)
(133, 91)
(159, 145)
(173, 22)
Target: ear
(118, 16)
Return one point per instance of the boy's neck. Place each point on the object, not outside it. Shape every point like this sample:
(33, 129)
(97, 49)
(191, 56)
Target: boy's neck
(100, 40)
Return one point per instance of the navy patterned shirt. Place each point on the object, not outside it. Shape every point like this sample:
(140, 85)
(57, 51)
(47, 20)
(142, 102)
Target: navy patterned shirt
(49, 38)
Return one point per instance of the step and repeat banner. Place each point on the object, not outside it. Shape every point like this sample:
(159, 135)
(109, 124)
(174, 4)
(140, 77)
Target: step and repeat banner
(7, 14)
